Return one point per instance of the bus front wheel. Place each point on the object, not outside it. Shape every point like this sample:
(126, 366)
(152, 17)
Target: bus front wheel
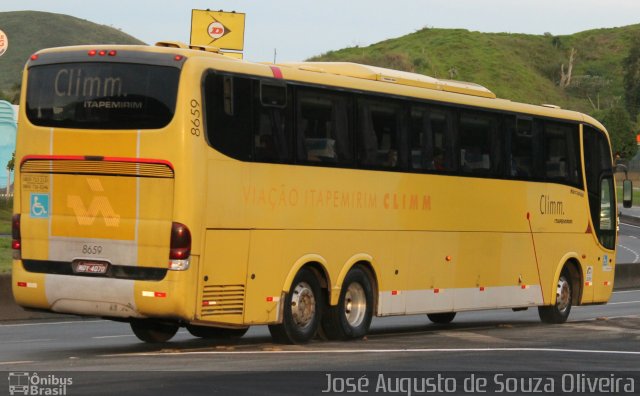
(215, 332)
(152, 331)
(559, 312)
(351, 318)
(302, 308)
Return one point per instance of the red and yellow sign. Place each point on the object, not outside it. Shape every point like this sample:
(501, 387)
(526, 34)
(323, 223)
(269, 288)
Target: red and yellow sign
(224, 30)
(4, 43)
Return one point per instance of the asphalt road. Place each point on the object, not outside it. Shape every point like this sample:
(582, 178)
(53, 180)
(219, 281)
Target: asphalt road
(104, 357)
(628, 244)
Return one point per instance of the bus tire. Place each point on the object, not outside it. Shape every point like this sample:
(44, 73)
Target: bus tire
(215, 332)
(351, 317)
(153, 331)
(559, 312)
(441, 318)
(302, 310)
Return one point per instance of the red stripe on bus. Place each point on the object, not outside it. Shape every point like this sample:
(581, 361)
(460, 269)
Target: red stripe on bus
(277, 73)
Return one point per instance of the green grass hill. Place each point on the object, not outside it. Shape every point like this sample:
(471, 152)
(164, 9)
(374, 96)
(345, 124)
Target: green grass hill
(30, 31)
(519, 67)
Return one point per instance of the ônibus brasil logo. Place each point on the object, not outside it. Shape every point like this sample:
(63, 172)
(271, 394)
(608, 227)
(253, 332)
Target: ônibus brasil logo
(38, 384)
(217, 30)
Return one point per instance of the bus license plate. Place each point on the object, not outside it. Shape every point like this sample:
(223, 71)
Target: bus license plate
(90, 267)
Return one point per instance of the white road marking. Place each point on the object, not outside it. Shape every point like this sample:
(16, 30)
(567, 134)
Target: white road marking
(471, 336)
(132, 335)
(611, 329)
(609, 303)
(623, 302)
(626, 291)
(629, 225)
(637, 256)
(22, 341)
(16, 362)
(375, 351)
(71, 322)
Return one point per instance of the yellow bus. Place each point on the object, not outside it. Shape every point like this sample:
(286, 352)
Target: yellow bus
(169, 186)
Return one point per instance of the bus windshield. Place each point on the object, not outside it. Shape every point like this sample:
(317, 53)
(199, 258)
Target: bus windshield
(102, 95)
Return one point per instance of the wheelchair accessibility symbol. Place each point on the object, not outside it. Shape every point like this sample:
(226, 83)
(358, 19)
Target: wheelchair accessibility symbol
(39, 206)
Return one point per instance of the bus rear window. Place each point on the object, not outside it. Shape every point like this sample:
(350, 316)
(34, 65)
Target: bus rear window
(102, 95)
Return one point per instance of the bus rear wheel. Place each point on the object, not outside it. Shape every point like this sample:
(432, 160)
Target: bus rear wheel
(302, 308)
(352, 316)
(153, 331)
(215, 332)
(441, 318)
(559, 312)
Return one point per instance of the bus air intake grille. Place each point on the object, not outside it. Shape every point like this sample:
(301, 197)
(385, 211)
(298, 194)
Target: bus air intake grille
(220, 300)
(89, 167)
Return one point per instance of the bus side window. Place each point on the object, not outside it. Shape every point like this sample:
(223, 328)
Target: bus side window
(323, 128)
(272, 139)
(227, 110)
(420, 139)
(598, 167)
(477, 133)
(380, 124)
(521, 149)
(441, 130)
(430, 139)
(561, 153)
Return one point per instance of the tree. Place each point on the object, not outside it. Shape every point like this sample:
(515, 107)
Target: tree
(565, 77)
(12, 162)
(631, 81)
(590, 86)
(621, 130)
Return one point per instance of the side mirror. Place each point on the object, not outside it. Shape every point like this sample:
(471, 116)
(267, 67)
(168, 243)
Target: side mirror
(627, 193)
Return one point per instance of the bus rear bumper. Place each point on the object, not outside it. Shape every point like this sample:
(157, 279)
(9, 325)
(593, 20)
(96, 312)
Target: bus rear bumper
(101, 296)
(95, 308)
(75, 295)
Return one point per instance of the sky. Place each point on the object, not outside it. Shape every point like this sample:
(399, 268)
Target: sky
(299, 29)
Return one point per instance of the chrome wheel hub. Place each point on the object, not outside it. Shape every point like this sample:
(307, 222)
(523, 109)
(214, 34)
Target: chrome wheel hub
(355, 304)
(563, 294)
(303, 305)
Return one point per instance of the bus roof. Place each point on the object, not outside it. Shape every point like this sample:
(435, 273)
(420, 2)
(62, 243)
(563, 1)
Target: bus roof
(463, 92)
(393, 76)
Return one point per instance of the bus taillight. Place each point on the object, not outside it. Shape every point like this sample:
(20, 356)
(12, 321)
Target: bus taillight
(94, 52)
(180, 247)
(16, 239)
